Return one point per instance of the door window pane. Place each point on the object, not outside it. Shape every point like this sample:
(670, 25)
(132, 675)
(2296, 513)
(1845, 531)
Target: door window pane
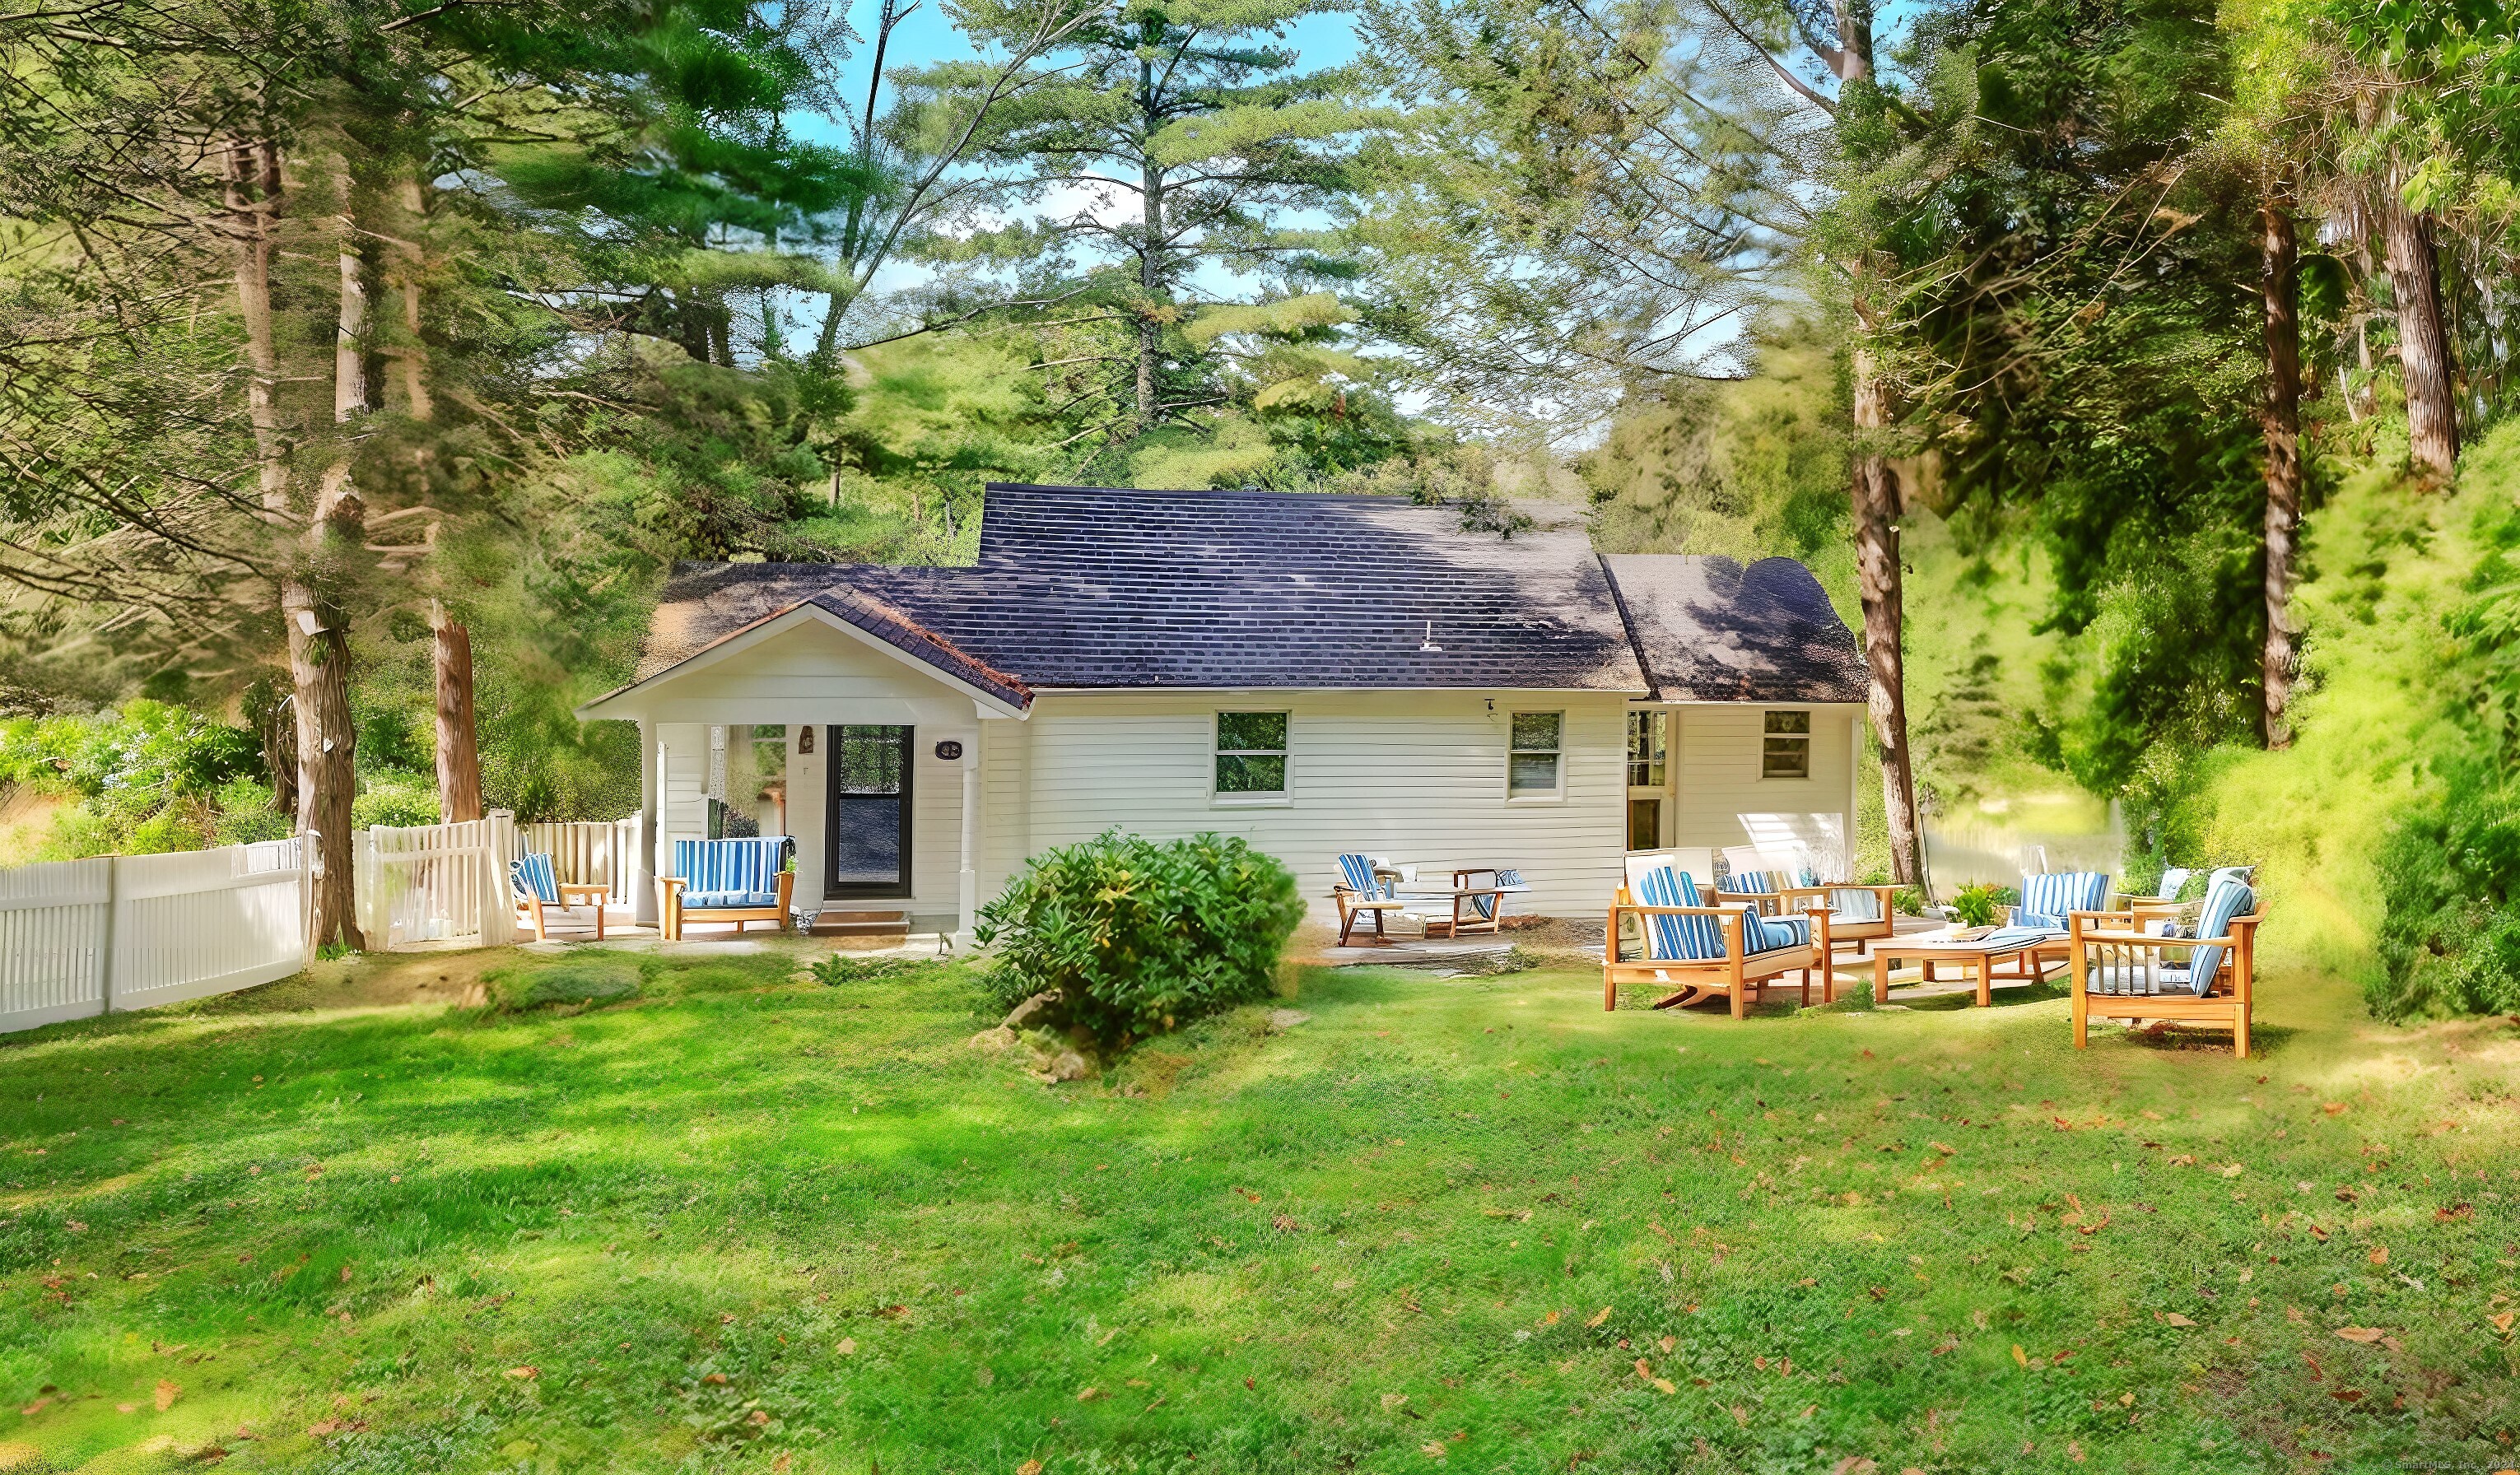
(1649, 750)
(1644, 824)
(1531, 767)
(1252, 752)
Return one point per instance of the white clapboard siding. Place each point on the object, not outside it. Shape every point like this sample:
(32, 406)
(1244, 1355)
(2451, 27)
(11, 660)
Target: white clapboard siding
(54, 923)
(1417, 777)
(1718, 762)
(206, 922)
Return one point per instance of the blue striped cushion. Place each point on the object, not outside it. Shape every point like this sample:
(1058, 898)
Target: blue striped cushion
(1358, 872)
(742, 873)
(2173, 881)
(1676, 939)
(532, 876)
(2045, 899)
(1774, 932)
(1486, 905)
(2227, 899)
(1854, 904)
(1747, 882)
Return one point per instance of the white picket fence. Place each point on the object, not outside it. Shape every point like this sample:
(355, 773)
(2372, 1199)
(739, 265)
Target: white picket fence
(79, 938)
(446, 885)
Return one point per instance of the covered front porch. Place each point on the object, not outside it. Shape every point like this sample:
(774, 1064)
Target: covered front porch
(871, 759)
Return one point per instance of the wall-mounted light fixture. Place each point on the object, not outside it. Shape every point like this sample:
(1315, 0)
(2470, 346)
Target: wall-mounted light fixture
(805, 738)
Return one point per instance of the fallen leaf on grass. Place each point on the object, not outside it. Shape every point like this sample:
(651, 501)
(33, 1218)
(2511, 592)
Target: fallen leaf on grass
(35, 1407)
(2334, 1109)
(2019, 1356)
(2456, 1211)
(1029, 1467)
(1599, 1317)
(524, 1374)
(848, 1346)
(2502, 1322)
(1854, 1464)
(1089, 1395)
(2175, 1319)
(1394, 1400)
(1433, 1448)
(2346, 1394)
(168, 1393)
(2364, 1335)
(1666, 1385)
(2379, 1255)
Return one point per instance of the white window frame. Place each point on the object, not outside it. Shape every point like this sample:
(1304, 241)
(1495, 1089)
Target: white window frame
(1555, 795)
(1219, 798)
(1805, 735)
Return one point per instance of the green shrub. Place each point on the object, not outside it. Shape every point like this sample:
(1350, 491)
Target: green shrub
(576, 981)
(394, 799)
(1139, 937)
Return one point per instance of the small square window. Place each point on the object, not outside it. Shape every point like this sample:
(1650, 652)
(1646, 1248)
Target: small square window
(1786, 751)
(1532, 762)
(1252, 754)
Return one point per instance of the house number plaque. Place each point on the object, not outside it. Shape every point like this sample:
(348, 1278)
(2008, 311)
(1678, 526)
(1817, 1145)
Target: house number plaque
(949, 750)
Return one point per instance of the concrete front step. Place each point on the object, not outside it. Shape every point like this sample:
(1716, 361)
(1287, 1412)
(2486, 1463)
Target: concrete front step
(835, 923)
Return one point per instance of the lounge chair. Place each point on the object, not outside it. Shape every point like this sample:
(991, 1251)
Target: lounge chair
(1487, 903)
(2165, 899)
(1729, 951)
(537, 886)
(738, 882)
(1363, 890)
(2121, 970)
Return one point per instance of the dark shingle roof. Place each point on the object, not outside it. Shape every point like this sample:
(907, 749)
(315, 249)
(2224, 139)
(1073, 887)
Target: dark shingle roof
(1090, 587)
(1711, 630)
(1093, 586)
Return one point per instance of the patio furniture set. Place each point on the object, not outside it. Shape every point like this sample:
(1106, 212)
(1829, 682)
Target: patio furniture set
(742, 881)
(2127, 957)
(1372, 888)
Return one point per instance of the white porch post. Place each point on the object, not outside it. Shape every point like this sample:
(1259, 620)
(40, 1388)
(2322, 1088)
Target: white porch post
(643, 898)
(968, 879)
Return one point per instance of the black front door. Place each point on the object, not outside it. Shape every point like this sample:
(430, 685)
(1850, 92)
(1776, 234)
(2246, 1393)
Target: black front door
(868, 825)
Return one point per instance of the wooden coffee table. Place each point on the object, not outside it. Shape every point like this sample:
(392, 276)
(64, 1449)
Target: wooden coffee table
(1977, 949)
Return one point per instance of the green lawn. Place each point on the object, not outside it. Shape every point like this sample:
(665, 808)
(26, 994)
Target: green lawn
(1467, 1225)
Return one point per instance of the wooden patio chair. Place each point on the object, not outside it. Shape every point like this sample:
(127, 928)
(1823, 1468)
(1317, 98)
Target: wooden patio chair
(1362, 891)
(1729, 951)
(2121, 970)
(1857, 915)
(736, 880)
(536, 888)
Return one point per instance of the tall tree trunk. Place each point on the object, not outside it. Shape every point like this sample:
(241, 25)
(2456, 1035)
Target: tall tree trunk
(458, 761)
(2424, 338)
(410, 355)
(350, 331)
(1877, 569)
(318, 654)
(319, 667)
(2281, 419)
(1151, 202)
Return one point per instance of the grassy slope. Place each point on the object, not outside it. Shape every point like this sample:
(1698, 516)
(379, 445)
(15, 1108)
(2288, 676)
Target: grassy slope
(752, 1222)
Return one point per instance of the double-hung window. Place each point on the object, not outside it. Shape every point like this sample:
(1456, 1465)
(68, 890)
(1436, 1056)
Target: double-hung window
(1785, 751)
(1250, 756)
(1533, 762)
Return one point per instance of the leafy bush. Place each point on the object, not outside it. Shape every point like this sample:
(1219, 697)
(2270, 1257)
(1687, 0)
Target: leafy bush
(145, 778)
(394, 799)
(576, 981)
(1139, 937)
(1981, 905)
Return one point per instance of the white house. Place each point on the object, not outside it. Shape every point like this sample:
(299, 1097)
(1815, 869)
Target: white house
(1318, 674)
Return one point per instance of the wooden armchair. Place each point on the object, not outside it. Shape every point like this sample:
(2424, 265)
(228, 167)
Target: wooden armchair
(1362, 891)
(2120, 970)
(1710, 951)
(1857, 915)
